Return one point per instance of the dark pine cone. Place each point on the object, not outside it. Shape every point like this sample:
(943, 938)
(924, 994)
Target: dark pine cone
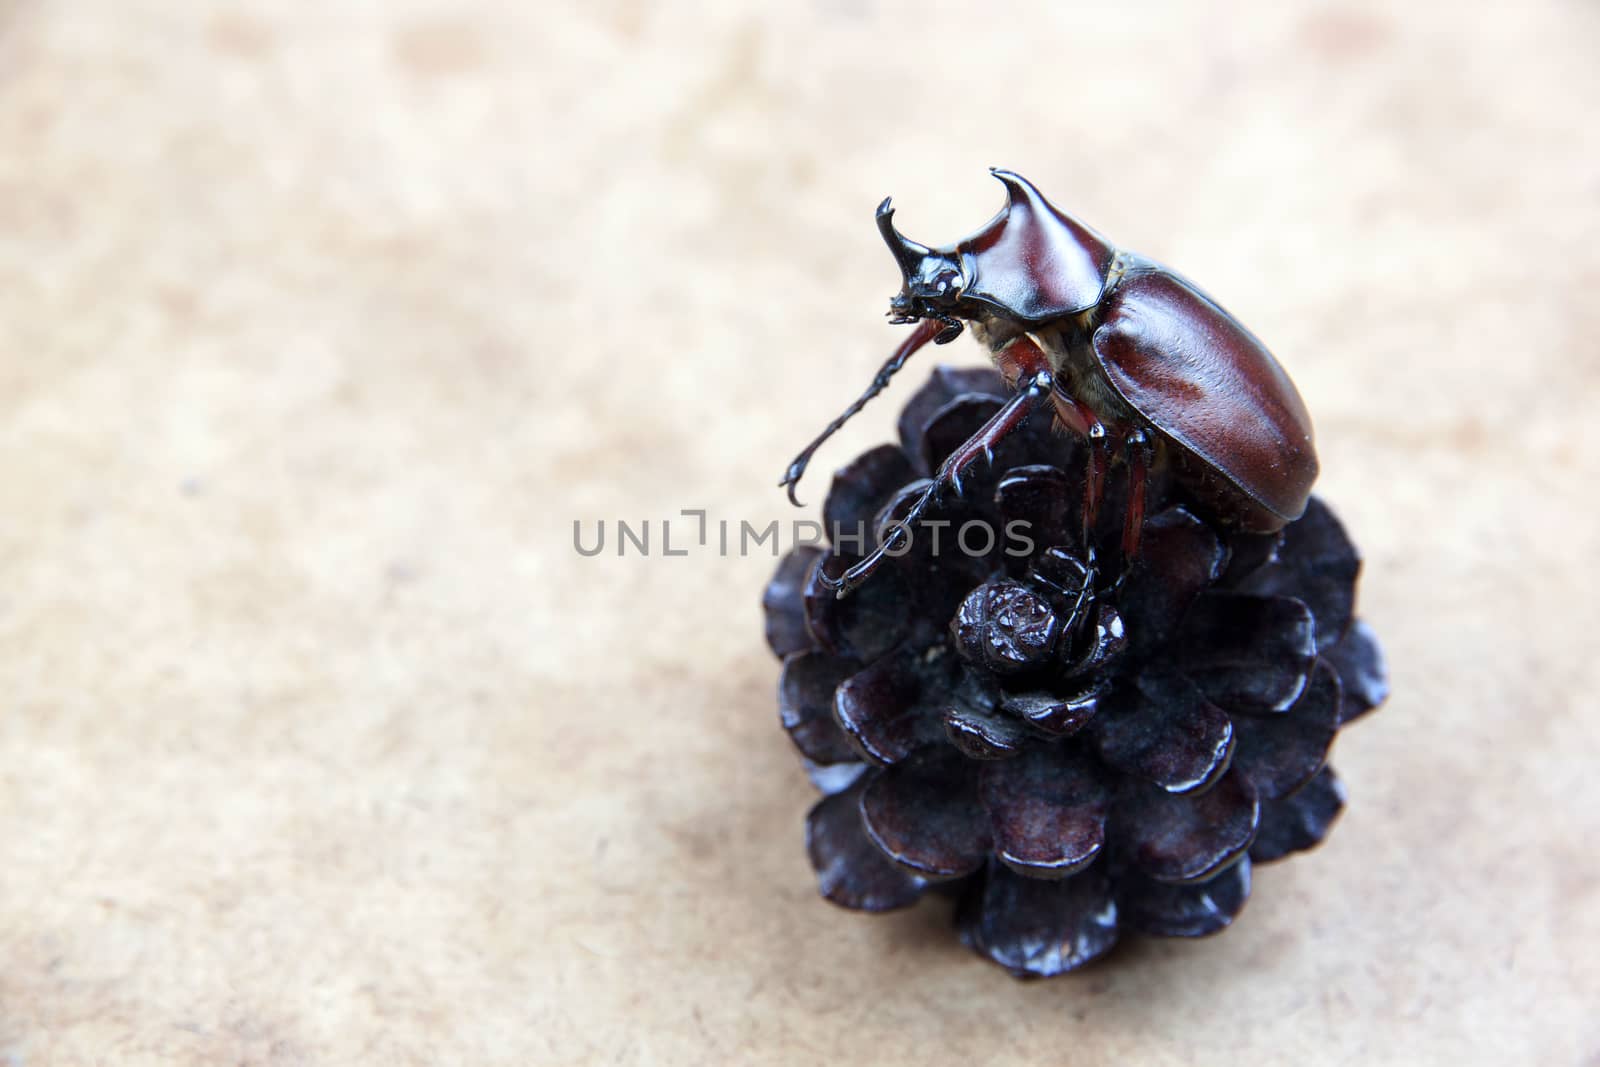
(1073, 755)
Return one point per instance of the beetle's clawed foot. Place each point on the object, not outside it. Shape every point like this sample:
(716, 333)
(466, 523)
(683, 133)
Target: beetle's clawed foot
(791, 479)
(847, 582)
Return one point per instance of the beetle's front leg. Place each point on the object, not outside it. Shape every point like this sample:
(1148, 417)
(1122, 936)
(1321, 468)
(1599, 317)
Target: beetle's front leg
(927, 330)
(1034, 393)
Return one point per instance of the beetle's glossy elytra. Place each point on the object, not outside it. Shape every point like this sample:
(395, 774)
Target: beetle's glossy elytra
(1204, 382)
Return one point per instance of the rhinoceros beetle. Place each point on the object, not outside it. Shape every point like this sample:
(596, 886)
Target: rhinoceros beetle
(1129, 354)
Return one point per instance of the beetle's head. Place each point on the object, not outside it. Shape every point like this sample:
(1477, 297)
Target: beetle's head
(1029, 264)
(934, 282)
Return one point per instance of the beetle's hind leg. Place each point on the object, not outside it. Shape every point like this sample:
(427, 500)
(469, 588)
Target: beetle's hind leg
(1033, 394)
(1139, 451)
(1079, 418)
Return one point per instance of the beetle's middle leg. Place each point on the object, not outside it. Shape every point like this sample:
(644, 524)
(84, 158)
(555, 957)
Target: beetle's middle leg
(1035, 392)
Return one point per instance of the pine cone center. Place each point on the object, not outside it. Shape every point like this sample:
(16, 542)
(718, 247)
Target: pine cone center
(1007, 627)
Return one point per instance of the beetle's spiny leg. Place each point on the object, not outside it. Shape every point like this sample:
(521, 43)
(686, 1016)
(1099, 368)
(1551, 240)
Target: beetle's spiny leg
(1079, 418)
(1094, 479)
(924, 333)
(1140, 452)
(1000, 426)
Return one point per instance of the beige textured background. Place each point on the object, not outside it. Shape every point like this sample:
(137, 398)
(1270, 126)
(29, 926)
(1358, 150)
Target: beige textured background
(320, 323)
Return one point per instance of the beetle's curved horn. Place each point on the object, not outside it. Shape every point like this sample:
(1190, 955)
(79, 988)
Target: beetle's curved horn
(907, 253)
(1019, 189)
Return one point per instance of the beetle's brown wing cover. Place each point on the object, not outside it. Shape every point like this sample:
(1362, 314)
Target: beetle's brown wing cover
(1202, 379)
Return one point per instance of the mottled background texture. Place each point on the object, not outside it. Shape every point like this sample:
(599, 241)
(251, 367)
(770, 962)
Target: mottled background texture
(321, 323)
